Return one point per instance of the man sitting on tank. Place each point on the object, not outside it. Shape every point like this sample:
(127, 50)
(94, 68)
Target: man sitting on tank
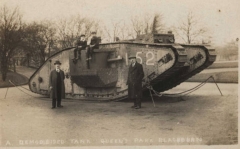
(93, 44)
(80, 45)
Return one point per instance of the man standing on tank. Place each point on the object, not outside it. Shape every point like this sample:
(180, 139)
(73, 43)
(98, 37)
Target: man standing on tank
(80, 45)
(56, 85)
(93, 44)
(134, 82)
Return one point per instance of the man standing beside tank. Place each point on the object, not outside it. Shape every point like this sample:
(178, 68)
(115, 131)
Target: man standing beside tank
(56, 85)
(134, 82)
(93, 44)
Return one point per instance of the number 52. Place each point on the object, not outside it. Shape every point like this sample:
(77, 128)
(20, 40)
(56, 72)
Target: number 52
(149, 58)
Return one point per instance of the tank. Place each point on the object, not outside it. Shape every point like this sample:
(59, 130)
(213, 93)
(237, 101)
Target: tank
(166, 64)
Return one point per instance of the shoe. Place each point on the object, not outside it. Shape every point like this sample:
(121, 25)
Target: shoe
(90, 58)
(60, 106)
(133, 106)
(87, 59)
(53, 107)
(137, 107)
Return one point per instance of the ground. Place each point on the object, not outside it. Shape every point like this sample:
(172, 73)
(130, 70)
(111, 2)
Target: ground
(203, 117)
(206, 119)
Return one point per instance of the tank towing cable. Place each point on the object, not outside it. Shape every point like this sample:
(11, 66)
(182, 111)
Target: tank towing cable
(184, 93)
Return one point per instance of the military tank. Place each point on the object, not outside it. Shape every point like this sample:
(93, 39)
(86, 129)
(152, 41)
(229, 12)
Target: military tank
(166, 64)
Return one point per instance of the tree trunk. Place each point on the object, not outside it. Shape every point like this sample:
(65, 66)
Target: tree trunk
(14, 65)
(28, 60)
(49, 50)
(4, 68)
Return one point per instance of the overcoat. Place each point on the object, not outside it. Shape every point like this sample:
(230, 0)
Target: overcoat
(53, 83)
(134, 81)
(95, 41)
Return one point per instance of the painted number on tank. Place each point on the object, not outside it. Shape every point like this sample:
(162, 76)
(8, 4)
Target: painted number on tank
(139, 57)
(150, 57)
(126, 59)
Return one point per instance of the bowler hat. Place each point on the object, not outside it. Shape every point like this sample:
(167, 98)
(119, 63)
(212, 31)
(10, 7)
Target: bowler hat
(131, 56)
(82, 35)
(57, 62)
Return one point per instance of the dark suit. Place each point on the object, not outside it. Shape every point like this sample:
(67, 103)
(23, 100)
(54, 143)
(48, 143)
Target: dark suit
(83, 45)
(95, 43)
(56, 80)
(134, 82)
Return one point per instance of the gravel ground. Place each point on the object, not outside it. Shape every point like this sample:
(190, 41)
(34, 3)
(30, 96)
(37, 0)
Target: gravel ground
(201, 118)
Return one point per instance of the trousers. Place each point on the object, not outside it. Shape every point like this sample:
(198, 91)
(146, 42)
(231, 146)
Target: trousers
(137, 102)
(77, 51)
(90, 51)
(57, 101)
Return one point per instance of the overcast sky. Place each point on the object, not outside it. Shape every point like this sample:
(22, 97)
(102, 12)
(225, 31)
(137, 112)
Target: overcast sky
(222, 17)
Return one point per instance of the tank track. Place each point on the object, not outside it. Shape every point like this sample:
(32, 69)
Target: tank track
(177, 79)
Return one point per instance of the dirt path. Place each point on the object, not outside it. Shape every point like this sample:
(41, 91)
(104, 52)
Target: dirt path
(26, 71)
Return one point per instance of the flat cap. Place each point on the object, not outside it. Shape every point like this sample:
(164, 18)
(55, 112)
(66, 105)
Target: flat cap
(131, 56)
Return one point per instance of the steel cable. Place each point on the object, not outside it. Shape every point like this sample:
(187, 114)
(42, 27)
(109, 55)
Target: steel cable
(159, 94)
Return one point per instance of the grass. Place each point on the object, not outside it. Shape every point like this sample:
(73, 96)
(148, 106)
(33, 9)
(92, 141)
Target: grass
(16, 78)
(220, 64)
(220, 77)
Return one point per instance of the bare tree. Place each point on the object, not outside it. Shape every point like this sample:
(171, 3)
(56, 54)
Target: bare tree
(138, 25)
(141, 24)
(147, 23)
(112, 31)
(10, 36)
(124, 31)
(49, 33)
(190, 30)
(68, 30)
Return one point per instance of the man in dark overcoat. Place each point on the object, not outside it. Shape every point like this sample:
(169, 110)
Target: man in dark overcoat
(56, 85)
(134, 82)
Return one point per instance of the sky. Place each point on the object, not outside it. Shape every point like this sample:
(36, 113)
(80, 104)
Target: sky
(222, 17)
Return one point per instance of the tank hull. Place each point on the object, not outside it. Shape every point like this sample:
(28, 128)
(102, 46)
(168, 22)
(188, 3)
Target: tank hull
(104, 77)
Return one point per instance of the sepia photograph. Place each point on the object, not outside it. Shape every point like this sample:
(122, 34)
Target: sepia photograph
(119, 73)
